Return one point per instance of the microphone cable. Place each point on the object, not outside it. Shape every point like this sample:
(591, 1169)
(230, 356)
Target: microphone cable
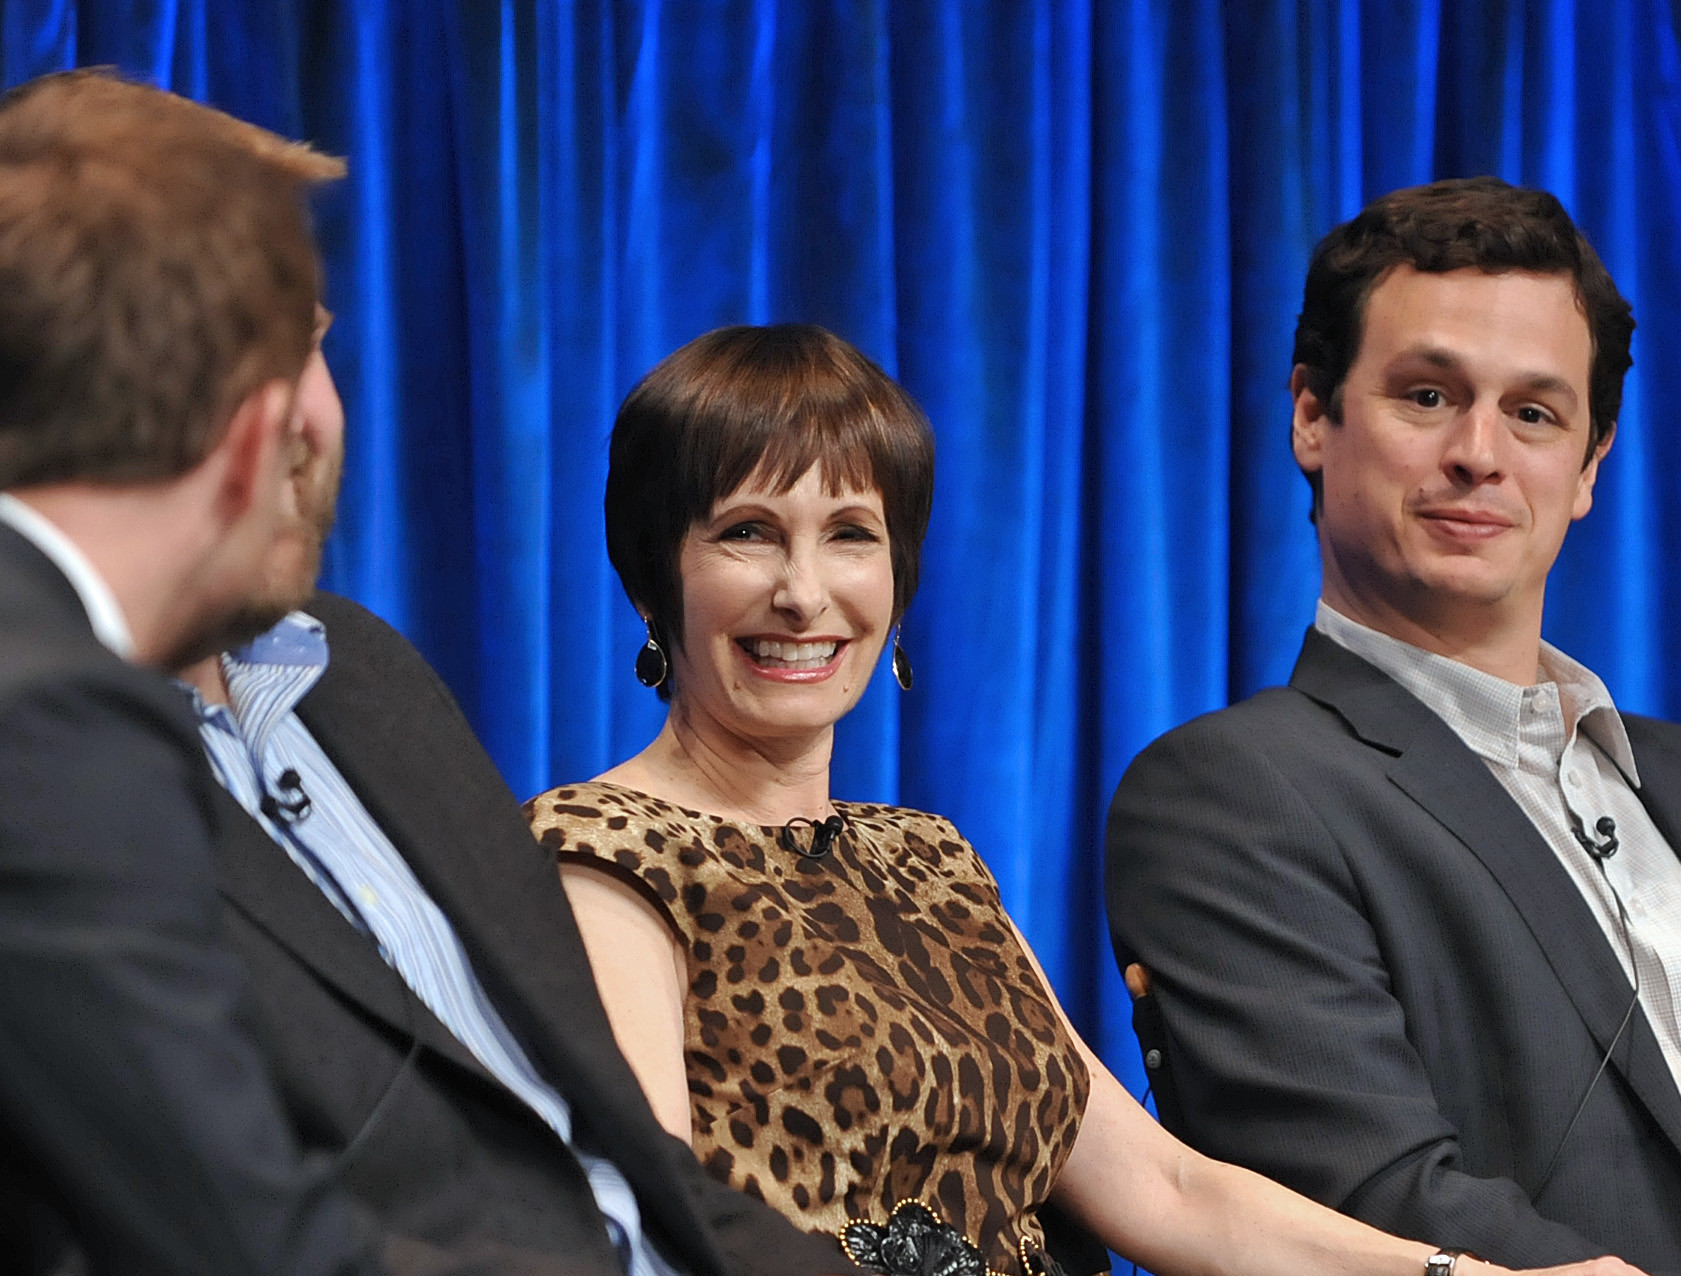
(1600, 852)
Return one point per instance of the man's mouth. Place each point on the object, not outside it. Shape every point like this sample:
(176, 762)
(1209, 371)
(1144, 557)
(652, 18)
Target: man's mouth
(773, 654)
(1468, 522)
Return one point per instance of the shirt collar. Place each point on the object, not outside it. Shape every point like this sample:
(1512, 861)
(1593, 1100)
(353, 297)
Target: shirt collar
(1487, 711)
(1587, 705)
(299, 640)
(105, 613)
(268, 677)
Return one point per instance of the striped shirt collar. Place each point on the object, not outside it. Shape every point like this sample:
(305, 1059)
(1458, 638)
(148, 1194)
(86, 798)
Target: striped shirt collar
(1487, 712)
(269, 676)
(105, 613)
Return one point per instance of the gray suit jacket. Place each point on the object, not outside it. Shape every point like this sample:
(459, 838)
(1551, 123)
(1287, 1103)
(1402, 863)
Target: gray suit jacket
(1380, 986)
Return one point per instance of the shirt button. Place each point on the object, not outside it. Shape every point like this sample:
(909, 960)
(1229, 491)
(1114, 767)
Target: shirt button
(368, 896)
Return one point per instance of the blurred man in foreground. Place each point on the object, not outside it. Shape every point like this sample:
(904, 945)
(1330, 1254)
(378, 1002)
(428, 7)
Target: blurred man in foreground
(1415, 920)
(158, 298)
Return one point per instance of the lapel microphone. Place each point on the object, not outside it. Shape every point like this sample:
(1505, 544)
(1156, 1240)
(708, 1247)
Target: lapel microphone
(1603, 849)
(295, 808)
(823, 835)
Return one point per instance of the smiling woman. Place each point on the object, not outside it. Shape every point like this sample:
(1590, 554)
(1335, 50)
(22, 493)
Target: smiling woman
(826, 999)
(787, 599)
(776, 406)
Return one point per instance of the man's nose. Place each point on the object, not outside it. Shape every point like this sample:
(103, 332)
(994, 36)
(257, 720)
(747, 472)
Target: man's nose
(1475, 444)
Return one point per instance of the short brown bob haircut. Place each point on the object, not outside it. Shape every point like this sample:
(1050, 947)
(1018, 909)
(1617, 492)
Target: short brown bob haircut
(758, 400)
(1481, 223)
(156, 267)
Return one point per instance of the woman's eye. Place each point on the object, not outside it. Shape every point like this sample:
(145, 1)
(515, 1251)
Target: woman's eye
(741, 532)
(853, 532)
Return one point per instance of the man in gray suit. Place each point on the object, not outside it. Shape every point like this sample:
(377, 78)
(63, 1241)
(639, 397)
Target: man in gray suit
(1414, 921)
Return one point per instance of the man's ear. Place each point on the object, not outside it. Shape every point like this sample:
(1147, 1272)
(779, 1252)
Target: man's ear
(253, 447)
(1590, 474)
(1308, 422)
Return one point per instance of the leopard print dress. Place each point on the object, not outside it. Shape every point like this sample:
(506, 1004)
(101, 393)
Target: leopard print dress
(861, 1030)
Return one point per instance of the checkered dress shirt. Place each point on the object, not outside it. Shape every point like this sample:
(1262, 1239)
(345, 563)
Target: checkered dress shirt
(1560, 749)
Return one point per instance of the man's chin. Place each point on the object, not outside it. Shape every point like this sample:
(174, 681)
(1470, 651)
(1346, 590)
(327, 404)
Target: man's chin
(251, 621)
(252, 617)
(1464, 594)
(1468, 579)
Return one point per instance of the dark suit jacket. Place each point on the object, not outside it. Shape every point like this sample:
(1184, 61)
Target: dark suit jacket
(1379, 984)
(136, 1115)
(436, 1147)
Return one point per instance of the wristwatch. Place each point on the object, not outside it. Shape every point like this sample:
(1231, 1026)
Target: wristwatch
(1442, 1262)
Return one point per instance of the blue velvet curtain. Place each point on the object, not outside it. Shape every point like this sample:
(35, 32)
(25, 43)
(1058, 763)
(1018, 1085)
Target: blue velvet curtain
(1076, 230)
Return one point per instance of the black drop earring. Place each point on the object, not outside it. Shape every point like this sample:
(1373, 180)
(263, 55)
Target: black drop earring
(901, 664)
(651, 667)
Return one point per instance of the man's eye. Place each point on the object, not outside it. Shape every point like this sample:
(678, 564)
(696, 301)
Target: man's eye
(1427, 398)
(1529, 414)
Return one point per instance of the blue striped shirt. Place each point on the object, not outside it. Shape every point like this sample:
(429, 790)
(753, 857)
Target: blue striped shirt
(346, 854)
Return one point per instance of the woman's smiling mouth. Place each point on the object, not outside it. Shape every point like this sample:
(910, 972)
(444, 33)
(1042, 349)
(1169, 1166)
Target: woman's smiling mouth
(791, 656)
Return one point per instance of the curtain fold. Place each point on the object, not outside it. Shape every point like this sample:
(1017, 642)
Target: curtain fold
(1075, 229)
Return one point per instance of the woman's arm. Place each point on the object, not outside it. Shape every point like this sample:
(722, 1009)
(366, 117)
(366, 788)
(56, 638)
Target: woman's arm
(640, 971)
(1170, 1209)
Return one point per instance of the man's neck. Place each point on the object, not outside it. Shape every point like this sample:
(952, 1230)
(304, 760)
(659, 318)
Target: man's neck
(1490, 639)
(104, 612)
(145, 546)
(207, 678)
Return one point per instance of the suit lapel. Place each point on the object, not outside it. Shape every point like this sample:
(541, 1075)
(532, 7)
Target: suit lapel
(259, 879)
(456, 835)
(253, 874)
(465, 840)
(1433, 767)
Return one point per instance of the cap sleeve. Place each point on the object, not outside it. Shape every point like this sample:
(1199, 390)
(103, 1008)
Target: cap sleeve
(650, 846)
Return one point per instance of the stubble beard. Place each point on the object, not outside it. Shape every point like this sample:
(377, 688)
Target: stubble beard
(295, 560)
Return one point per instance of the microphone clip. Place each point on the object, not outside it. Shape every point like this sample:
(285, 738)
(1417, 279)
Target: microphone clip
(823, 835)
(295, 807)
(1602, 848)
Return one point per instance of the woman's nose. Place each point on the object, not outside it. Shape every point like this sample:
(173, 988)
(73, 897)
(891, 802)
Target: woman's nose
(800, 591)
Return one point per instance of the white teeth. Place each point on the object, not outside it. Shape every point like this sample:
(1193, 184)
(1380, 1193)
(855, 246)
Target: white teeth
(792, 655)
